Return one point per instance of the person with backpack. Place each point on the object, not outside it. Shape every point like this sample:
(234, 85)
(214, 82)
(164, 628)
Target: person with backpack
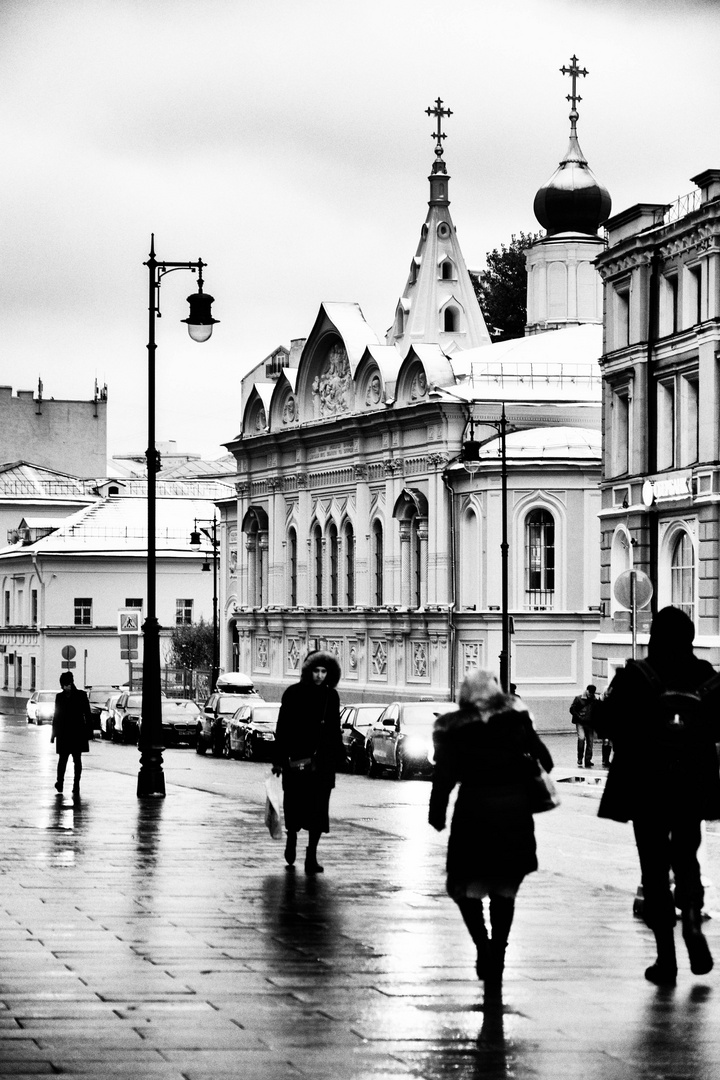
(582, 711)
(663, 718)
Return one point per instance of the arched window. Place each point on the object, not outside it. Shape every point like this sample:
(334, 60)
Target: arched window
(378, 563)
(470, 561)
(450, 320)
(318, 564)
(349, 565)
(292, 567)
(447, 270)
(539, 560)
(334, 568)
(682, 575)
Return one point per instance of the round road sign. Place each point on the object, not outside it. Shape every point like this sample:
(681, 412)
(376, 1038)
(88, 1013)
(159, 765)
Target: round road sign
(643, 589)
(68, 652)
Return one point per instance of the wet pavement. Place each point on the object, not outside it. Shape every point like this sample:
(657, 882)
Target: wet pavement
(164, 938)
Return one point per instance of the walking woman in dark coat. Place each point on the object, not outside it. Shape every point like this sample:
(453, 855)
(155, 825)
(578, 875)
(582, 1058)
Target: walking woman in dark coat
(484, 747)
(664, 778)
(308, 749)
(72, 724)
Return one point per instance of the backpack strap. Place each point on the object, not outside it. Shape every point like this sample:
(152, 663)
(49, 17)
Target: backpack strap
(650, 674)
(709, 686)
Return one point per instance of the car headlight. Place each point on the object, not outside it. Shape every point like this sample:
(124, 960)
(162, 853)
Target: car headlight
(415, 746)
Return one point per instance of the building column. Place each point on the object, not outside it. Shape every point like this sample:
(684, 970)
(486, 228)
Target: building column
(423, 568)
(405, 564)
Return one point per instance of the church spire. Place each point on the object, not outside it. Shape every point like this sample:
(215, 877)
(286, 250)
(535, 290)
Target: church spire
(572, 200)
(438, 305)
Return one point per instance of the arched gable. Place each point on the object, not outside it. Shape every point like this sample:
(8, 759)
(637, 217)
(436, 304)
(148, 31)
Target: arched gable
(257, 410)
(411, 501)
(334, 348)
(424, 367)
(284, 410)
(376, 377)
(255, 516)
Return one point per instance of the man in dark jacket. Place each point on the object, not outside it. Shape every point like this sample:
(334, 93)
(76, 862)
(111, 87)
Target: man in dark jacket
(663, 716)
(581, 711)
(72, 725)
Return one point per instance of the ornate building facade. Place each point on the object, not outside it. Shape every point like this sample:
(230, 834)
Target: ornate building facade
(357, 527)
(661, 398)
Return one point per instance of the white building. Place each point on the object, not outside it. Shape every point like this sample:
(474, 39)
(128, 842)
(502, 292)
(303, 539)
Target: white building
(64, 580)
(356, 526)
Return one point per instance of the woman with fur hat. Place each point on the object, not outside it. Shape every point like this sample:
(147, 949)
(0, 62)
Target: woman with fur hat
(484, 747)
(308, 749)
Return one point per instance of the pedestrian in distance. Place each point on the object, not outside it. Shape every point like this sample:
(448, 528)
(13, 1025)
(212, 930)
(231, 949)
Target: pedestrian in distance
(487, 747)
(308, 750)
(71, 730)
(582, 710)
(663, 716)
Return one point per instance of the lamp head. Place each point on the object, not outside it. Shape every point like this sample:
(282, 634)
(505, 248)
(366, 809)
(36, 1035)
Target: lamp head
(200, 321)
(206, 566)
(195, 538)
(471, 456)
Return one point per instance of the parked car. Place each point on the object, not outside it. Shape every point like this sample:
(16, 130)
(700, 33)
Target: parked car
(180, 718)
(40, 707)
(217, 710)
(250, 731)
(106, 713)
(401, 740)
(97, 696)
(125, 719)
(355, 724)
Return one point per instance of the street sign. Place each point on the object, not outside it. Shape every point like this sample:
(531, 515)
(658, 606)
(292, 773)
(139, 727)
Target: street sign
(623, 589)
(128, 647)
(129, 620)
(68, 652)
(67, 664)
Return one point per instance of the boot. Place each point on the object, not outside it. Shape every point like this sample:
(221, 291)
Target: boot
(502, 910)
(312, 866)
(664, 971)
(291, 848)
(701, 961)
(474, 918)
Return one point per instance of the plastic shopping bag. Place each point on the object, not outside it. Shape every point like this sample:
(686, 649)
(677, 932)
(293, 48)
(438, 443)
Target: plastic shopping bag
(273, 806)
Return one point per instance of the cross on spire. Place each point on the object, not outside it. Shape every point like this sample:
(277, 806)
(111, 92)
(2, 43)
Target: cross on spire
(573, 71)
(438, 135)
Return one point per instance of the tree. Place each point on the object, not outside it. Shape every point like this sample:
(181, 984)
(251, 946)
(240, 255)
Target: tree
(191, 646)
(501, 288)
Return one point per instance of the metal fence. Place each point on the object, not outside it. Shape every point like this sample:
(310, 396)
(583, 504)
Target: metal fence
(191, 683)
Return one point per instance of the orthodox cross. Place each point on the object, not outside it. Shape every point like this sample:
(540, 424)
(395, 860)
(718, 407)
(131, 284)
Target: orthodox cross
(439, 135)
(573, 71)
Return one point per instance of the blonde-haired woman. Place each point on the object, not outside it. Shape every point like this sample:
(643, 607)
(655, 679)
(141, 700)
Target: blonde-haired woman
(484, 747)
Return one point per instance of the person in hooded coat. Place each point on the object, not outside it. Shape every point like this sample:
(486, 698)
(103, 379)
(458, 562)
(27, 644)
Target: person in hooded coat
(664, 778)
(484, 746)
(308, 750)
(72, 723)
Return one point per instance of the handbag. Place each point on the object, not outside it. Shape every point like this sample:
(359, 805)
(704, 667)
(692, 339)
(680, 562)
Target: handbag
(302, 764)
(273, 806)
(541, 790)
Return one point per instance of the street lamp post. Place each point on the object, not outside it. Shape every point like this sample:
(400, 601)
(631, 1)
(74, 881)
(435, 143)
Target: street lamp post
(151, 779)
(212, 536)
(471, 461)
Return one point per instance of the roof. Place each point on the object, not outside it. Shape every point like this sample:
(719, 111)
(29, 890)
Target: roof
(548, 443)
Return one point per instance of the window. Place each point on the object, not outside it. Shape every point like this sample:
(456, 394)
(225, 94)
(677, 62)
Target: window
(83, 611)
(18, 672)
(7, 607)
(134, 602)
(318, 560)
(292, 566)
(33, 607)
(539, 560)
(333, 540)
(33, 672)
(349, 565)
(668, 305)
(682, 575)
(183, 612)
(620, 445)
(622, 316)
(20, 620)
(450, 320)
(447, 270)
(693, 299)
(689, 429)
(666, 424)
(377, 555)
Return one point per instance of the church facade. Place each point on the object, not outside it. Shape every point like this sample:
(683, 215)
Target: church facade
(357, 526)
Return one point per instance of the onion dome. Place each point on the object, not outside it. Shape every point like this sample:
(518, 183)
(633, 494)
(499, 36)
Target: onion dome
(572, 200)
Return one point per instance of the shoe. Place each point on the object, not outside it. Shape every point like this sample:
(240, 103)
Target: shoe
(589, 765)
(76, 793)
(291, 849)
(59, 788)
(701, 961)
(312, 866)
(661, 975)
(579, 764)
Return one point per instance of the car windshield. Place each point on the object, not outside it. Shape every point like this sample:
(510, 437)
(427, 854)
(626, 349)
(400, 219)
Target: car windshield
(367, 716)
(266, 717)
(46, 695)
(184, 708)
(97, 696)
(418, 716)
(134, 701)
(227, 704)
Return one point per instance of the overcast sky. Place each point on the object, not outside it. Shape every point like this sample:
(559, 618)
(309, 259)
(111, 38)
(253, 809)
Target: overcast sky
(285, 142)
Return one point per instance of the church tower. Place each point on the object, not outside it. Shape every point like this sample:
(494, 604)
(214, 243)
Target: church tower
(438, 304)
(564, 288)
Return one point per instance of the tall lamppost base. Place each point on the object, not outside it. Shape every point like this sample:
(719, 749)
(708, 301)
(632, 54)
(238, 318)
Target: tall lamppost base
(151, 778)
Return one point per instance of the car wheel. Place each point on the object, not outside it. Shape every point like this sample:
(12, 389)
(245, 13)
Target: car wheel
(373, 767)
(227, 748)
(216, 748)
(248, 750)
(200, 746)
(114, 736)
